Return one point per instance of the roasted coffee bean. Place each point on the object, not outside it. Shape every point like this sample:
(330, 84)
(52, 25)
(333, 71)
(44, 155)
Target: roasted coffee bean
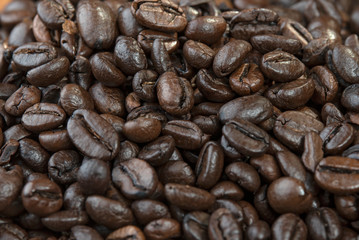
(326, 85)
(318, 220)
(267, 167)
(230, 57)
(163, 228)
(10, 185)
(247, 79)
(243, 108)
(135, 178)
(97, 24)
(292, 126)
(161, 15)
(93, 170)
(42, 197)
(23, 98)
(291, 165)
(64, 220)
(144, 85)
(104, 69)
(289, 226)
(174, 94)
(268, 43)
(42, 117)
(291, 95)
(129, 56)
(80, 72)
(255, 21)
(336, 137)
(159, 151)
(246, 137)
(7, 151)
(55, 13)
(188, 198)
(48, 73)
(127, 23)
(293, 29)
(206, 29)
(63, 166)
(222, 225)
(74, 199)
(214, 89)
(346, 206)
(147, 37)
(160, 58)
(195, 225)
(34, 155)
(338, 175)
(258, 231)
(297, 199)
(75, 97)
(108, 100)
(198, 54)
(148, 210)
(187, 135)
(209, 165)
(142, 130)
(281, 66)
(55, 140)
(227, 190)
(313, 152)
(110, 213)
(350, 97)
(244, 174)
(345, 61)
(31, 55)
(87, 127)
(176, 172)
(80, 232)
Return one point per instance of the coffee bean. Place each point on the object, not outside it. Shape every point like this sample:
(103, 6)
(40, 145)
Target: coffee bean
(97, 24)
(176, 172)
(23, 98)
(206, 29)
(94, 170)
(32, 55)
(75, 97)
(195, 225)
(222, 225)
(255, 21)
(297, 200)
(247, 79)
(104, 69)
(128, 231)
(188, 198)
(281, 66)
(110, 213)
(129, 56)
(243, 108)
(10, 185)
(289, 226)
(42, 117)
(209, 165)
(42, 197)
(174, 94)
(187, 135)
(198, 54)
(230, 57)
(86, 127)
(246, 137)
(63, 166)
(337, 175)
(159, 151)
(65, 220)
(159, 15)
(163, 228)
(317, 221)
(269, 42)
(136, 178)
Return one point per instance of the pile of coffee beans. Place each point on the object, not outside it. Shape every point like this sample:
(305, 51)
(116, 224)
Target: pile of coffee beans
(179, 119)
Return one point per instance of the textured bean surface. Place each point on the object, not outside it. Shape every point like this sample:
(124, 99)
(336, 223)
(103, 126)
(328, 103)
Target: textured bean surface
(179, 119)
